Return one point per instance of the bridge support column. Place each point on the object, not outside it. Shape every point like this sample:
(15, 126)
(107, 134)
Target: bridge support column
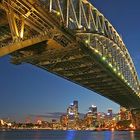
(136, 117)
(16, 24)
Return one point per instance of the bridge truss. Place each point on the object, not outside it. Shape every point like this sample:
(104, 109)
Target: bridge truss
(77, 42)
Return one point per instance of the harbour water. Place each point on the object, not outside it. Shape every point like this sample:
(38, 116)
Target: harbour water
(68, 135)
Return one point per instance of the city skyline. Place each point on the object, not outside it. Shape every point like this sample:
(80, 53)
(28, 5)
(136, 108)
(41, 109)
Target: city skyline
(72, 109)
(71, 119)
(27, 89)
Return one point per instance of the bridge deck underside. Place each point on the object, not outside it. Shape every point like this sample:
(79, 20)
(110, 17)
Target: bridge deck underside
(62, 49)
(75, 65)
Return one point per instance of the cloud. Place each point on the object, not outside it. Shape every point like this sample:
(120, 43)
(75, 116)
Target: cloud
(52, 115)
(55, 115)
(48, 115)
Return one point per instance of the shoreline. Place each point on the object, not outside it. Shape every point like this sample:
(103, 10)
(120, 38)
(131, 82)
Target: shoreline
(38, 129)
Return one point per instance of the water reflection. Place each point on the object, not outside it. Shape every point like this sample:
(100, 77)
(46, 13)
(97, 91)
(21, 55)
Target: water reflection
(112, 135)
(71, 134)
(2, 135)
(107, 135)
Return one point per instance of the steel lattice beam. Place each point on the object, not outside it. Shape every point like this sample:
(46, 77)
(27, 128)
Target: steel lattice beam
(63, 24)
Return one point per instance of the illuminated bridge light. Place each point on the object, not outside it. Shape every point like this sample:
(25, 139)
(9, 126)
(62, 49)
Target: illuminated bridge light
(58, 13)
(115, 69)
(86, 41)
(110, 65)
(96, 51)
(128, 84)
(103, 58)
(122, 77)
(89, 27)
(119, 73)
(130, 67)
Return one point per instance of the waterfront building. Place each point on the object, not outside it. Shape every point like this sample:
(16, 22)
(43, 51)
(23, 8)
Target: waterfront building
(64, 120)
(90, 118)
(125, 114)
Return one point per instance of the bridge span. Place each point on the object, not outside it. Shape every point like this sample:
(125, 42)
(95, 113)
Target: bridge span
(72, 39)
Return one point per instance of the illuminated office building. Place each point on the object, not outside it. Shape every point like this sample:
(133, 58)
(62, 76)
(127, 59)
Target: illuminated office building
(72, 114)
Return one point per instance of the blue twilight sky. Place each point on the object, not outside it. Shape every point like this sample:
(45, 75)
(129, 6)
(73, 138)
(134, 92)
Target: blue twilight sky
(26, 89)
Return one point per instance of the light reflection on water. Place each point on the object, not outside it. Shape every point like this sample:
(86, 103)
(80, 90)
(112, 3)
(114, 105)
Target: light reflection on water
(132, 135)
(69, 135)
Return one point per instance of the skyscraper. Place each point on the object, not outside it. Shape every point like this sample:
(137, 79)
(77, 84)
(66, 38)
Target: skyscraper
(73, 109)
(93, 109)
(110, 113)
(75, 104)
(72, 114)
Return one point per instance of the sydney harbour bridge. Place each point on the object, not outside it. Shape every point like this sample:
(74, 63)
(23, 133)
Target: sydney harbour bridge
(72, 39)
